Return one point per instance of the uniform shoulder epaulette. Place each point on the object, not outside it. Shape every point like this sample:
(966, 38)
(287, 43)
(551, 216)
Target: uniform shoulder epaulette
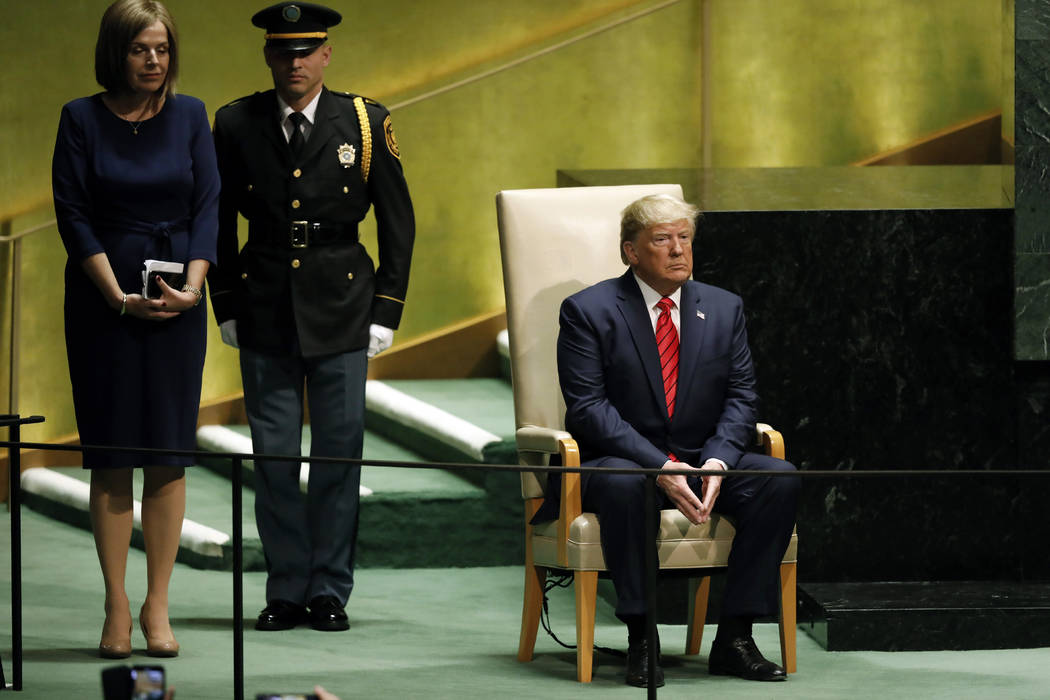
(351, 96)
(364, 119)
(239, 100)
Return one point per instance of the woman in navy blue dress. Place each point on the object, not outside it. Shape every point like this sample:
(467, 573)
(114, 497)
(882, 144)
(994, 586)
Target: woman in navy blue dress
(134, 178)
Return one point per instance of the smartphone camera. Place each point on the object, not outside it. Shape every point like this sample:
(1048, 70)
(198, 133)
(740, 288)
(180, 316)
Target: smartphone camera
(133, 683)
(147, 683)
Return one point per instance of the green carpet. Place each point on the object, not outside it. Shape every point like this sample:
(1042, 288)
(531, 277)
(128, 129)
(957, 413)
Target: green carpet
(488, 403)
(425, 517)
(209, 501)
(439, 633)
(393, 481)
(414, 518)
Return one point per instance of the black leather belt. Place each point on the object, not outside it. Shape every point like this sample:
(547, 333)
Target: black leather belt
(304, 234)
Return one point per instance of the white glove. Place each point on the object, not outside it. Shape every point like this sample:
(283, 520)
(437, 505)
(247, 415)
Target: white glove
(381, 338)
(228, 330)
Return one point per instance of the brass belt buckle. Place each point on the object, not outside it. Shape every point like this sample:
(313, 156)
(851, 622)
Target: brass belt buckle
(300, 234)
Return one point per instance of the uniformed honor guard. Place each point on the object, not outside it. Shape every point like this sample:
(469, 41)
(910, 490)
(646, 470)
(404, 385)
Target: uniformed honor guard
(303, 300)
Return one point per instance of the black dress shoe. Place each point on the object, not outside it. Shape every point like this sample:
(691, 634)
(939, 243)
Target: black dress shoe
(280, 615)
(740, 657)
(638, 665)
(327, 614)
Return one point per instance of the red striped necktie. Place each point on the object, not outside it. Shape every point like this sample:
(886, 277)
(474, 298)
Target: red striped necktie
(667, 343)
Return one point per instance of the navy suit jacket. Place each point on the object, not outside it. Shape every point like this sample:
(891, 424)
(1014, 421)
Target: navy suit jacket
(609, 370)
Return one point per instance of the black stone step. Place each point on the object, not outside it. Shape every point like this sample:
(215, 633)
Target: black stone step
(926, 615)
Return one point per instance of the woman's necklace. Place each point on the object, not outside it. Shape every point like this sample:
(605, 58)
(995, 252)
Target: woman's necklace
(149, 109)
(142, 117)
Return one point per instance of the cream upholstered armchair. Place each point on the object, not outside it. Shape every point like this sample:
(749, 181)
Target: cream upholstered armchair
(555, 242)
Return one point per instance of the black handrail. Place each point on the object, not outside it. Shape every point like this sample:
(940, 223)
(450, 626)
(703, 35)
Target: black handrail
(15, 446)
(14, 424)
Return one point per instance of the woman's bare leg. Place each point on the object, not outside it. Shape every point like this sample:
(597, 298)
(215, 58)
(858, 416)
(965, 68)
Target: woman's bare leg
(112, 517)
(163, 508)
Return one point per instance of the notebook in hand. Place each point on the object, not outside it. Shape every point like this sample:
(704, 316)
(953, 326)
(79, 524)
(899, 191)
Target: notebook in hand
(172, 272)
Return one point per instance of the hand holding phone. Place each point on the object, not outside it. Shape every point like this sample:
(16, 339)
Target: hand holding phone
(133, 683)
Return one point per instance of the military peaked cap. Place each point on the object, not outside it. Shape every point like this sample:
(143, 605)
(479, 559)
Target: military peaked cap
(296, 26)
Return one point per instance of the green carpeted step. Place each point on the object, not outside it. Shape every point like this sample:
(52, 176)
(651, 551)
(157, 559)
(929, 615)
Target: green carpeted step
(410, 517)
(427, 412)
(416, 517)
(61, 493)
(460, 420)
(486, 402)
(503, 348)
(383, 481)
(456, 420)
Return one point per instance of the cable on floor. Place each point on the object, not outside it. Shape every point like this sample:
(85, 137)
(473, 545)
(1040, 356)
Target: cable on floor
(564, 581)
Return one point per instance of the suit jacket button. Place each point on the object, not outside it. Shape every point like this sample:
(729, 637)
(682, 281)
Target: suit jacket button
(346, 190)
(244, 275)
(297, 172)
(295, 204)
(296, 263)
(249, 188)
(350, 275)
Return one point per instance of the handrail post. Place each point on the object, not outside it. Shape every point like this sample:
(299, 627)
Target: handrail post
(16, 324)
(652, 564)
(14, 501)
(238, 583)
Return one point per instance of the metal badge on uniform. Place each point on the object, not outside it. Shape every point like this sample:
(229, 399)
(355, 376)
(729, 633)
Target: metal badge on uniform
(391, 140)
(291, 13)
(347, 154)
(700, 315)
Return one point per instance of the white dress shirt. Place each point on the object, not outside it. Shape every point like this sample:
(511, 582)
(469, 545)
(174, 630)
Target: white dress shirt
(651, 297)
(309, 111)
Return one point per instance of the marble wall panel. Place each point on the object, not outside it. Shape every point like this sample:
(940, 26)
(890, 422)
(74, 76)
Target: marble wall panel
(1032, 192)
(1033, 452)
(1031, 89)
(1033, 19)
(881, 341)
(1032, 306)
(1031, 180)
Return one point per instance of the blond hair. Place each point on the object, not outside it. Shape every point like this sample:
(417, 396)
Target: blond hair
(121, 23)
(650, 211)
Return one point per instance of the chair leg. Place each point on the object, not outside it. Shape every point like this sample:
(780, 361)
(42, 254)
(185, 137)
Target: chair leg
(697, 614)
(586, 584)
(531, 608)
(788, 574)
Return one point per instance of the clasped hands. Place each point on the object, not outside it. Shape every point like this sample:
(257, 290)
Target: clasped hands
(676, 487)
(171, 303)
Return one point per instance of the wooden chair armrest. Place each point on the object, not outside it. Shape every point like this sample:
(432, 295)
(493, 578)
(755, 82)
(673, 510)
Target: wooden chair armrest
(571, 496)
(535, 438)
(770, 440)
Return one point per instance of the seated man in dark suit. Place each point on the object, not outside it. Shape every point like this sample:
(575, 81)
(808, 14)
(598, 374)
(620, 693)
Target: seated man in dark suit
(637, 397)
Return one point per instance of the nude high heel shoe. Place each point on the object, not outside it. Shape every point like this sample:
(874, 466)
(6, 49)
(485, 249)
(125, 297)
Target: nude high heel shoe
(114, 647)
(165, 648)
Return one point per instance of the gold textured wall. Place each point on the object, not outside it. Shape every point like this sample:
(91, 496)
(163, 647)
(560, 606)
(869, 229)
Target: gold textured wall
(626, 97)
(783, 82)
(830, 82)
